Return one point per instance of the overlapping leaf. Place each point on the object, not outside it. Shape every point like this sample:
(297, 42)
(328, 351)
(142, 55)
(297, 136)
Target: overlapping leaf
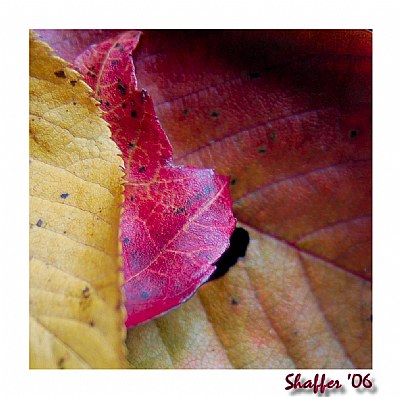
(177, 220)
(76, 307)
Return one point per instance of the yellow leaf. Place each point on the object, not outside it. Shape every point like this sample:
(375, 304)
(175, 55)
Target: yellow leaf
(275, 308)
(76, 303)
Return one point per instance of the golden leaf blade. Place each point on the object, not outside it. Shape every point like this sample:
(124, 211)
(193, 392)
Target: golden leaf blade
(276, 308)
(76, 310)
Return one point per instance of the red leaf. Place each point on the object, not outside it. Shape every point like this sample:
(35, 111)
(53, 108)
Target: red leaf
(176, 220)
(295, 108)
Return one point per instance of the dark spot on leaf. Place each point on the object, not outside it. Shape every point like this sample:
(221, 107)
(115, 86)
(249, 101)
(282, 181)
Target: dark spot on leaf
(92, 68)
(214, 115)
(180, 210)
(86, 293)
(295, 333)
(74, 103)
(123, 105)
(234, 301)
(114, 63)
(262, 149)
(117, 45)
(132, 198)
(65, 232)
(101, 101)
(185, 111)
(60, 363)
(145, 295)
(131, 144)
(60, 73)
(133, 113)
(272, 136)
(254, 75)
(142, 169)
(354, 133)
(126, 240)
(121, 88)
(233, 181)
(238, 245)
(39, 223)
(64, 195)
(73, 82)
(91, 323)
(107, 103)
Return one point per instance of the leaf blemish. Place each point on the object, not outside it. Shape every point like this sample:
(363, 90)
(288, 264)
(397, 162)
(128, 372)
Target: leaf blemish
(214, 115)
(60, 363)
(131, 144)
(133, 113)
(86, 293)
(121, 88)
(39, 223)
(234, 301)
(354, 133)
(91, 323)
(60, 73)
(126, 240)
(64, 195)
(142, 169)
(145, 295)
(233, 181)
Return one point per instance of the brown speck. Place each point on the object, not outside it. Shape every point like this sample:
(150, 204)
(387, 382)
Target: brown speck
(132, 198)
(272, 136)
(133, 113)
(86, 293)
(354, 134)
(73, 82)
(233, 181)
(262, 149)
(131, 144)
(214, 115)
(60, 73)
(180, 210)
(185, 111)
(234, 301)
(123, 105)
(142, 169)
(121, 88)
(60, 363)
(91, 323)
